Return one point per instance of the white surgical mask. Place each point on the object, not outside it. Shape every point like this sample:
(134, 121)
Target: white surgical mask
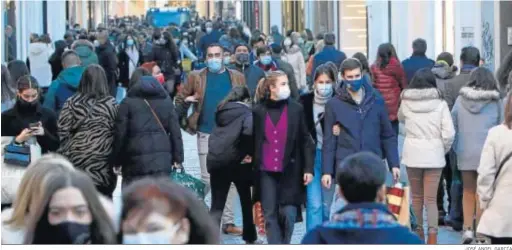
(287, 42)
(284, 93)
(163, 237)
(209, 30)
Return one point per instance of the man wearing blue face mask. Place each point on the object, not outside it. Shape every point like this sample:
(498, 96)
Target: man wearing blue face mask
(208, 87)
(360, 114)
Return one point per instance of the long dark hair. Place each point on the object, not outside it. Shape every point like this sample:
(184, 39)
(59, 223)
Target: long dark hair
(309, 35)
(237, 94)
(17, 68)
(94, 82)
(182, 203)
(170, 44)
(508, 110)
(482, 78)
(327, 70)
(8, 85)
(385, 52)
(423, 79)
(27, 82)
(101, 229)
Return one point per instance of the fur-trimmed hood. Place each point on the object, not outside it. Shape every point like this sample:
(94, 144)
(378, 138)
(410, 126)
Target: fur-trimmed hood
(474, 100)
(82, 42)
(421, 100)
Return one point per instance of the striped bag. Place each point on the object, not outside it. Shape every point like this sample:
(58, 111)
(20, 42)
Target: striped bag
(398, 203)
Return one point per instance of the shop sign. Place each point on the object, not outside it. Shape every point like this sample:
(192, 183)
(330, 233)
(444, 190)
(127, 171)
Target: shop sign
(468, 36)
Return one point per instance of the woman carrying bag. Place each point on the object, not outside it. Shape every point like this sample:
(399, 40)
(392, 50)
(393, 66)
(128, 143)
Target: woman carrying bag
(28, 130)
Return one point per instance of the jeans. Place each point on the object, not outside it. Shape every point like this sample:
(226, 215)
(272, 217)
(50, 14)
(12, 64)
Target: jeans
(319, 198)
(279, 219)
(202, 148)
(221, 180)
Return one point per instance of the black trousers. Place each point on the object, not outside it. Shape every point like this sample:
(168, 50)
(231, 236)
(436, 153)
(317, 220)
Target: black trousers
(501, 241)
(279, 219)
(447, 176)
(220, 181)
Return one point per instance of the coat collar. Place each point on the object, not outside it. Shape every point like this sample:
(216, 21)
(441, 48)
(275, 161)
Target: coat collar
(421, 94)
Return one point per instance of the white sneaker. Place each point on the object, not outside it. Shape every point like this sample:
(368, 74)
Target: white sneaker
(468, 236)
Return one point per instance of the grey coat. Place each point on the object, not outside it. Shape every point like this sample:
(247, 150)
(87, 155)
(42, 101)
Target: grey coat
(452, 87)
(474, 113)
(444, 76)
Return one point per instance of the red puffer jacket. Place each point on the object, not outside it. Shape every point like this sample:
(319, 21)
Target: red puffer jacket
(390, 81)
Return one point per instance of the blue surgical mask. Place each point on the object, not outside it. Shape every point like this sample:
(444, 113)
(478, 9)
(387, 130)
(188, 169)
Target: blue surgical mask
(266, 59)
(227, 60)
(214, 64)
(324, 89)
(355, 85)
(129, 42)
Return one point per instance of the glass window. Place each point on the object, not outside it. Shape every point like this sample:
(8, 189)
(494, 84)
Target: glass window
(353, 31)
(9, 16)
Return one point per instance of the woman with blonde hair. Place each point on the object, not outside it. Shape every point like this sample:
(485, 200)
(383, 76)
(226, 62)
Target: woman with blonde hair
(14, 219)
(283, 156)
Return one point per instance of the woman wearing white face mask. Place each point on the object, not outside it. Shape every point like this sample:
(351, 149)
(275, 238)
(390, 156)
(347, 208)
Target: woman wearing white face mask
(283, 156)
(319, 199)
(293, 55)
(157, 211)
(129, 58)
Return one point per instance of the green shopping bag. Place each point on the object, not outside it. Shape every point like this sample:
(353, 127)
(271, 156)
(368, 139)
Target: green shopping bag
(178, 175)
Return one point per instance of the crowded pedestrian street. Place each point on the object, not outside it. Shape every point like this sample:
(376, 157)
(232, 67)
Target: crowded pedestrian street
(262, 122)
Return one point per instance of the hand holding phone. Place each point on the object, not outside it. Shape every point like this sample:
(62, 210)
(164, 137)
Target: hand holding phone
(37, 128)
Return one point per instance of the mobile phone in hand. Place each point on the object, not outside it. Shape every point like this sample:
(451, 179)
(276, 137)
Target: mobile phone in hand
(34, 125)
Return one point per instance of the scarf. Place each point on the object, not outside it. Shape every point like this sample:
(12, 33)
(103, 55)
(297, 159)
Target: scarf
(320, 100)
(266, 68)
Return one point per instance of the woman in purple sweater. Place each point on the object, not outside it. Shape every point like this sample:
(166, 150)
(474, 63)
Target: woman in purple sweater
(283, 156)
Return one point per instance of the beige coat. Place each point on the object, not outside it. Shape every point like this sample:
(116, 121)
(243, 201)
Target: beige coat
(429, 130)
(496, 220)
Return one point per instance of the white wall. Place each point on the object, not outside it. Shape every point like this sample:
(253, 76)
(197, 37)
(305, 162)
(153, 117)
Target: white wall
(29, 15)
(467, 15)
(276, 14)
(56, 19)
(378, 27)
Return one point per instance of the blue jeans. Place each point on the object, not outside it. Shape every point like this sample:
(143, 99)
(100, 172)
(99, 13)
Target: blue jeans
(319, 199)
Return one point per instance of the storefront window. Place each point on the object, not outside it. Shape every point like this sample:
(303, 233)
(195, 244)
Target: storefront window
(293, 15)
(324, 18)
(353, 28)
(9, 16)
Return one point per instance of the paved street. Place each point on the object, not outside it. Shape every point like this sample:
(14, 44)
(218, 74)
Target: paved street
(446, 235)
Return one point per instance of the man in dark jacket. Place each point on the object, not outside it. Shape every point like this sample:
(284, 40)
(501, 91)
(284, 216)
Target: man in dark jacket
(212, 36)
(418, 60)
(66, 83)
(361, 114)
(365, 219)
(108, 60)
(252, 73)
(329, 53)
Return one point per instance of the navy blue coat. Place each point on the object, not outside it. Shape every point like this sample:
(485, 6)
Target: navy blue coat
(328, 54)
(364, 127)
(415, 63)
(352, 230)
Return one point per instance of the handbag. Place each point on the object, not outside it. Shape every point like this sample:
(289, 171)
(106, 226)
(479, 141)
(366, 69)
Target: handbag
(178, 175)
(17, 154)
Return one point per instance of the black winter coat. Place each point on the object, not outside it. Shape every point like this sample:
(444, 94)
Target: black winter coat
(141, 147)
(18, 118)
(166, 59)
(298, 156)
(108, 61)
(124, 66)
(231, 138)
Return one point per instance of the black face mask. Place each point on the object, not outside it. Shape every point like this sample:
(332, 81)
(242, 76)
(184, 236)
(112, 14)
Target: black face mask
(27, 106)
(242, 58)
(70, 233)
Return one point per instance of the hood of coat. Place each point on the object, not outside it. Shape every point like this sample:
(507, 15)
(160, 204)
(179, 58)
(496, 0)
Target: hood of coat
(36, 49)
(474, 100)
(82, 43)
(148, 87)
(231, 111)
(443, 71)
(421, 100)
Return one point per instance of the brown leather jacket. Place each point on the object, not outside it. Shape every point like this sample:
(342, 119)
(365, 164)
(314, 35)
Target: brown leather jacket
(196, 84)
